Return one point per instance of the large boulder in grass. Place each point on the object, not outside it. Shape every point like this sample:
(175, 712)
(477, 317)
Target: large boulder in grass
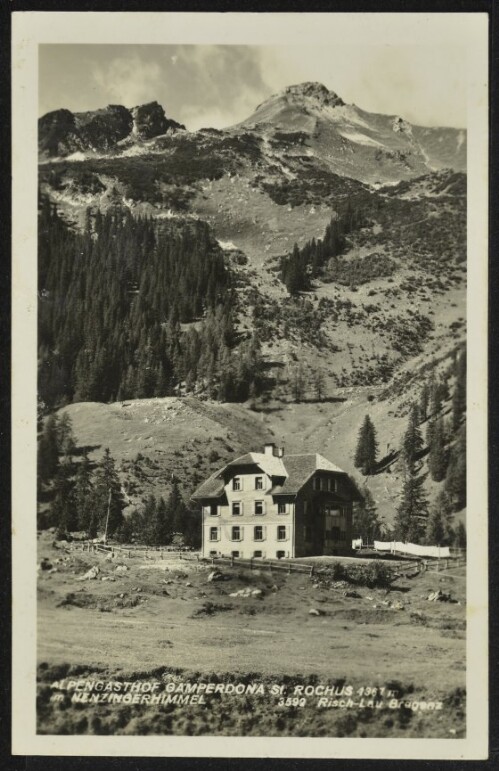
(90, 575)
(215, 575)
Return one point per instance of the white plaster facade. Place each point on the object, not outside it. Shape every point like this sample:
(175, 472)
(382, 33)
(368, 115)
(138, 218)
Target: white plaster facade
(251, 523)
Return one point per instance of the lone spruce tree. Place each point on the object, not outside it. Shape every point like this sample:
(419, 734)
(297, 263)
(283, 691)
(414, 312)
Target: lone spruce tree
(439, 530)
(367, 447)
(437, 459)
(412, 513)
(108, 496)
(412, 443)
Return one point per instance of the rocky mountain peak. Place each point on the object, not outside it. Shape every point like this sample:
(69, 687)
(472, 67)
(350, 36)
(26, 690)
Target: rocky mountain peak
(317, 91)
(400, 125)
(149, 120)
(62, 132)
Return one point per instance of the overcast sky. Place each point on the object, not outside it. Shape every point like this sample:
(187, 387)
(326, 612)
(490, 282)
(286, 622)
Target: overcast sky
(212, 85)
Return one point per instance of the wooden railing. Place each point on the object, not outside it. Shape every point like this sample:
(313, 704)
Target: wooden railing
(402, 568)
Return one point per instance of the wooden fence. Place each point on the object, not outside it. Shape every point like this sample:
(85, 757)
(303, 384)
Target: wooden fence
(403, 568)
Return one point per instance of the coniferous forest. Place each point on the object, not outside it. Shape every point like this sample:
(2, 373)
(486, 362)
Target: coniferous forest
(129, 309)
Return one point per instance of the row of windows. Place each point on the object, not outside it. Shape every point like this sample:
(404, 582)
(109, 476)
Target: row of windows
(237, 508)
(259, 533)
(257, 553)
(237, 483)
(327, 484)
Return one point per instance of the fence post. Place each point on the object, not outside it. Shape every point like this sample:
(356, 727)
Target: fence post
(311, 571)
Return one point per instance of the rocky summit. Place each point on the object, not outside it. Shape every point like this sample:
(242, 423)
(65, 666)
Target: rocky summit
(62, 133)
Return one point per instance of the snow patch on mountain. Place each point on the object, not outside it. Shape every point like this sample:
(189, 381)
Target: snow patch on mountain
(360, 139)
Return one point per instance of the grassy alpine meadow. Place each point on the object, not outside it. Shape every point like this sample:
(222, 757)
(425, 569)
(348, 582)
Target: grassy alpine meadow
(152, 645)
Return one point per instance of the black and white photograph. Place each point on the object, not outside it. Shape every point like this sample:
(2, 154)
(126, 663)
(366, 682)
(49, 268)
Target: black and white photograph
(254, 291)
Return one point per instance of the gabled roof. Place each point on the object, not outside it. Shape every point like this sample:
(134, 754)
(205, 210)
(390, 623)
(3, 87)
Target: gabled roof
(300, 468)
(213, 487)
(296, 470)
(269, 464)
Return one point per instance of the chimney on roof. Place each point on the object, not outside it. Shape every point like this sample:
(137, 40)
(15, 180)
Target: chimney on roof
(271, 449)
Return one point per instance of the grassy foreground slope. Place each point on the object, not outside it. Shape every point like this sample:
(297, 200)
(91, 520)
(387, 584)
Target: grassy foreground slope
(164, 620)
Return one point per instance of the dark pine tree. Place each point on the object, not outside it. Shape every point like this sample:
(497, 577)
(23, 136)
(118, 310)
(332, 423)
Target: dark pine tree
(48, 450)
(424, 400)
(367, 447)
(63, 508)
(435, 397)
(440, 521)
(412, 513)
(149, 531)
(176, 508)
(84, 498)
(412, 443)
(455, 480)
(164, 525)
(435, 527)
(108, 497)
(437, 458)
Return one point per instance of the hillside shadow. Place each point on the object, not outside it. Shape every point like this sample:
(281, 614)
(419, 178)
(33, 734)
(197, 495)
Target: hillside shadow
(387, 462)
(86, 448)
(324, 400)
(286, 403)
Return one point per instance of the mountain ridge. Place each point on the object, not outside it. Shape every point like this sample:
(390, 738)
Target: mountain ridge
(369, 147)
(62, 132)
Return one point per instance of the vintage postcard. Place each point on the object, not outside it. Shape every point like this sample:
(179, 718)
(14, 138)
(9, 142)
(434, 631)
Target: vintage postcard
(250, 334)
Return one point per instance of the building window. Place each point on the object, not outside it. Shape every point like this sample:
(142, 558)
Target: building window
(280, 555)
(213, 510)
(281, 532)
(332, 485)
(237, 508)
(258, 553)
(259, 507)
(335, 534)
(317, 483)
(258, 533)
(213, 533)
(234, 554)
(258, 483)
(236, 533)
(281, 508)
(236, 483)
